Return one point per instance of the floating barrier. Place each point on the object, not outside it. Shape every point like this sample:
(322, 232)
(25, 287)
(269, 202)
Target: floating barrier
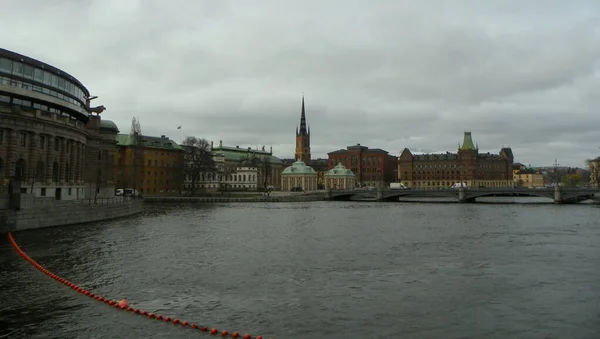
(123, 304)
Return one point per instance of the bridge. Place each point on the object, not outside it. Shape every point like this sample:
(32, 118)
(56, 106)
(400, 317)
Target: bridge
(558, 195)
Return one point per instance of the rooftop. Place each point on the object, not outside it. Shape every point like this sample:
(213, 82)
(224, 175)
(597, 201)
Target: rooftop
(147, 141)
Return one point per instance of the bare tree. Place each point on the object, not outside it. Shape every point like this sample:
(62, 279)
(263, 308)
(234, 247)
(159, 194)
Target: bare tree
(136, 142)
(198, 159)
(264, 166)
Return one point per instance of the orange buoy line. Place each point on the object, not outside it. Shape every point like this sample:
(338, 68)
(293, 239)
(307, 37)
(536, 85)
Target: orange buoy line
(123, 304)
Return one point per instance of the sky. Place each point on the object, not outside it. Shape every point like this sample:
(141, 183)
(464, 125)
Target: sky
(386, 74)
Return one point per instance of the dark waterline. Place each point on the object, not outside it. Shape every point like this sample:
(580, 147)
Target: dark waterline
(315, 270)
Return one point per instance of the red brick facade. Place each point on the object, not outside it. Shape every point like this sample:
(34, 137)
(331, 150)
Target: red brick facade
(372, 167)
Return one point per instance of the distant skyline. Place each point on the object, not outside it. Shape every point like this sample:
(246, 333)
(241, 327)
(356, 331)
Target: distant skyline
(385, 74)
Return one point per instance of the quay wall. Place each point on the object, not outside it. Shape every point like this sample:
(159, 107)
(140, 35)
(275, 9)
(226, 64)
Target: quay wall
(36, 212)
(277, 198)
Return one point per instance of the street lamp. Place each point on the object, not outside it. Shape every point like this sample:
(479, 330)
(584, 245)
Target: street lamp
(555, 173)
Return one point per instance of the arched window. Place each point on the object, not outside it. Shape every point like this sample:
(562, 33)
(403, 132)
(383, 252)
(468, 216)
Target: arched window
(55, 172)
(20, 169)
(39, 171)
(67, 176)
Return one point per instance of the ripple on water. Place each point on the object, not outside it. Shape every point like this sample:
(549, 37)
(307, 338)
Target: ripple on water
(315, 270)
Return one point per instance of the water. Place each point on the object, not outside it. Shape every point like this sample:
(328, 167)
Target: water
(315, 270)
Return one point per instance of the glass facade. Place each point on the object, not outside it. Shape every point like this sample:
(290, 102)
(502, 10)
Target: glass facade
(20, 75)
(39, 80)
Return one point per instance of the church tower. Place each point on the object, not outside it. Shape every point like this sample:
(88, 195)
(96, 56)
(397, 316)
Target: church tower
(303, 139)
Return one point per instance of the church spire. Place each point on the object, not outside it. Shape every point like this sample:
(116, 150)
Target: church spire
(303, 130)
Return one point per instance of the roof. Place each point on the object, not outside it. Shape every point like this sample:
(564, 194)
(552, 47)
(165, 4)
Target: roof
(339, 171)
(146, 141)
(109, 124)
(467, 144)
(358, 148)
(241, 154)
(299, 167)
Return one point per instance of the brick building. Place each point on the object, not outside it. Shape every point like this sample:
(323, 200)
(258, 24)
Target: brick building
(371, 166)
(467, 166)
(50, 139)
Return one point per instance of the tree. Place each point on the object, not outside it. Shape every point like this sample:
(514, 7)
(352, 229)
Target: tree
(198, 159)
(571, 180)
(264, 166)
(137, 160)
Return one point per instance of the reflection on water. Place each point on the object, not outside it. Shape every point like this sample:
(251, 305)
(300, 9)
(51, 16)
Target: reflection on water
(315, 270)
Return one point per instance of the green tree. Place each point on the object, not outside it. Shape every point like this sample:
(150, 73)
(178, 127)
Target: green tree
(571, 180)
(198, 159)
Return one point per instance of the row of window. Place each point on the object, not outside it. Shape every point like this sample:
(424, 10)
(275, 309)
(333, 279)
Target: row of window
(40, 89)
(41, 76)
(46, 110)
(25, 140)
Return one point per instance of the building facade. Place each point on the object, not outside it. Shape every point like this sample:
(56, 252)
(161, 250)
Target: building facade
(298, 176)
(340, 178)
(467, 166)
(303, 138)
(527, 177)
(50, 139)
(594, 168)
(268, 166)
(372, 167)
(152, 165)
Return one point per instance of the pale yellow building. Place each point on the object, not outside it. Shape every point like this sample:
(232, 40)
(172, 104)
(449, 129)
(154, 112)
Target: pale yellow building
(527, 177)
(299, 176)
(340, 177)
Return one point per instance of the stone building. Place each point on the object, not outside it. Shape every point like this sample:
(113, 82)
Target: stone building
(152, 165)
(594, 168)
(340, 177)
(298, 176)
(467, 166)
(372, 166)
(268, 166)
(50, 139)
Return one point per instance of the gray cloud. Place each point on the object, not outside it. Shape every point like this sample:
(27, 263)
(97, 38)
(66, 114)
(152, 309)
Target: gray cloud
(388, 74)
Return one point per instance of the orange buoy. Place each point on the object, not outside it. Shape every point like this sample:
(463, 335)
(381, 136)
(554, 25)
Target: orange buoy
(122, 303)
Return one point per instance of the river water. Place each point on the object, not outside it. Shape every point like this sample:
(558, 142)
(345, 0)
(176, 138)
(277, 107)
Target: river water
(315, 270)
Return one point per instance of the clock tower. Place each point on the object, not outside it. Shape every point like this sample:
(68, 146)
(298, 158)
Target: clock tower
(303, 139)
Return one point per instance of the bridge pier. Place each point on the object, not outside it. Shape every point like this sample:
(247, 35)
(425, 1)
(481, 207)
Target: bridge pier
(557, 195)
(328, 194)
(462, 197)
(379, 195)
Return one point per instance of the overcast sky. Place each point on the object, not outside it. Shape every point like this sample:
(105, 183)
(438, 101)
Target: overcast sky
(388, 74)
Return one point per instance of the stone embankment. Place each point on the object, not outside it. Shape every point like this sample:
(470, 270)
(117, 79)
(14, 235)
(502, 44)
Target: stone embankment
(36, 212)
(226, 199)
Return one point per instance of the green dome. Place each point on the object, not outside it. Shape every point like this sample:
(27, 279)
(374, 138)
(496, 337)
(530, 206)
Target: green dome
(339, 171)
(299, 167)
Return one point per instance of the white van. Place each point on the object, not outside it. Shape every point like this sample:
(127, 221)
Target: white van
(459, 185)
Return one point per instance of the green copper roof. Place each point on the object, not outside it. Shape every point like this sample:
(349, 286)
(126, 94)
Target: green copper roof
(148, 142)
(109, 124)
(299, 167)
(467, 144)
(241, 154)
(339, 171)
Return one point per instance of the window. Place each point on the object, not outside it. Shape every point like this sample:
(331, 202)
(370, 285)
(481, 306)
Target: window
(1, 137)
(38, 74)
(6, 65)
(23, 139)
(17, 68)
(56, 144)
(4, 98)
(42, 141)
(47, 78)
(28, 71)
